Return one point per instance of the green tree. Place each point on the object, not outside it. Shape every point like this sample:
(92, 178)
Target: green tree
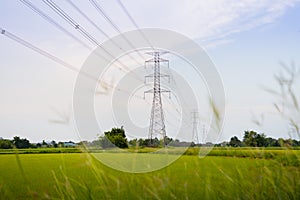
(271, 142)
(141, 142)
(6, 144)
(116, 137)
(249, 138)
(235, 142)
(295, 143)
(285, 142)
(261, 140)
(152, 142)
(21, 143)
(133, 142)
(254, 139)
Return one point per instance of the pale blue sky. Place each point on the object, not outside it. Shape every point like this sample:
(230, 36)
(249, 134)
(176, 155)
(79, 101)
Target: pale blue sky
(245, 39)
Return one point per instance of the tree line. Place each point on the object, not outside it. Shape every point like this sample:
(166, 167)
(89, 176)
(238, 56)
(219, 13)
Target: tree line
(116, 137)
(23, 143)
(254, 139)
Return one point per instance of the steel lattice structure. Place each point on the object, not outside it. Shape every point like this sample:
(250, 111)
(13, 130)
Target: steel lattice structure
(195, 117)
(157, 121)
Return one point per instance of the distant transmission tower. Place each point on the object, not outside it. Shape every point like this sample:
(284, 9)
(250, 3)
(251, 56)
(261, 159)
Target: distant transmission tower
(157, 122)
(195, 118)
(204, 133)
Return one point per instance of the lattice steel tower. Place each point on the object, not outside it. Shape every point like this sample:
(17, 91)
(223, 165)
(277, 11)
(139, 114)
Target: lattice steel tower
(195, 116)
(157, 121)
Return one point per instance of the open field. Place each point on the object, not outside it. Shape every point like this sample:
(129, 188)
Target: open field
(222, 175)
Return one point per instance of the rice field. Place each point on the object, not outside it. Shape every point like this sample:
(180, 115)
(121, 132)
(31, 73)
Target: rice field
(223, 174)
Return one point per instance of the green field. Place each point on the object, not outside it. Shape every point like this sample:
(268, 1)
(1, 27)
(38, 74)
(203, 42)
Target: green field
(224, 174)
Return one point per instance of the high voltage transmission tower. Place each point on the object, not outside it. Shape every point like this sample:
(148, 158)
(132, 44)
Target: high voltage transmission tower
(195, 118)
(204, 133)
(157, 122)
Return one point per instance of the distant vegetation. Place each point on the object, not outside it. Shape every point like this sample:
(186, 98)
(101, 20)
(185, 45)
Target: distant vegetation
(23, 143)
(254, 139)
(117, 138)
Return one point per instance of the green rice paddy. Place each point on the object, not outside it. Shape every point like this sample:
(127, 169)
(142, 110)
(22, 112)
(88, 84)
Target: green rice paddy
(224, 174)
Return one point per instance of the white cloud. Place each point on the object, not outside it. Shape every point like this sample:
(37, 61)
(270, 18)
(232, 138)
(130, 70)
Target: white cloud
(208, 20)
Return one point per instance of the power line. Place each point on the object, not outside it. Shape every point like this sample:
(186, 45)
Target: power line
(98, 28)
(87, 18)
(149, 43)
(88, 36)
(63, 63)
(115, 26)
(133, 22)
(40, 51)
(70, 21)
(186, 105)
(106, 17)
(53, 22)
(57, 60)
(74, 24)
